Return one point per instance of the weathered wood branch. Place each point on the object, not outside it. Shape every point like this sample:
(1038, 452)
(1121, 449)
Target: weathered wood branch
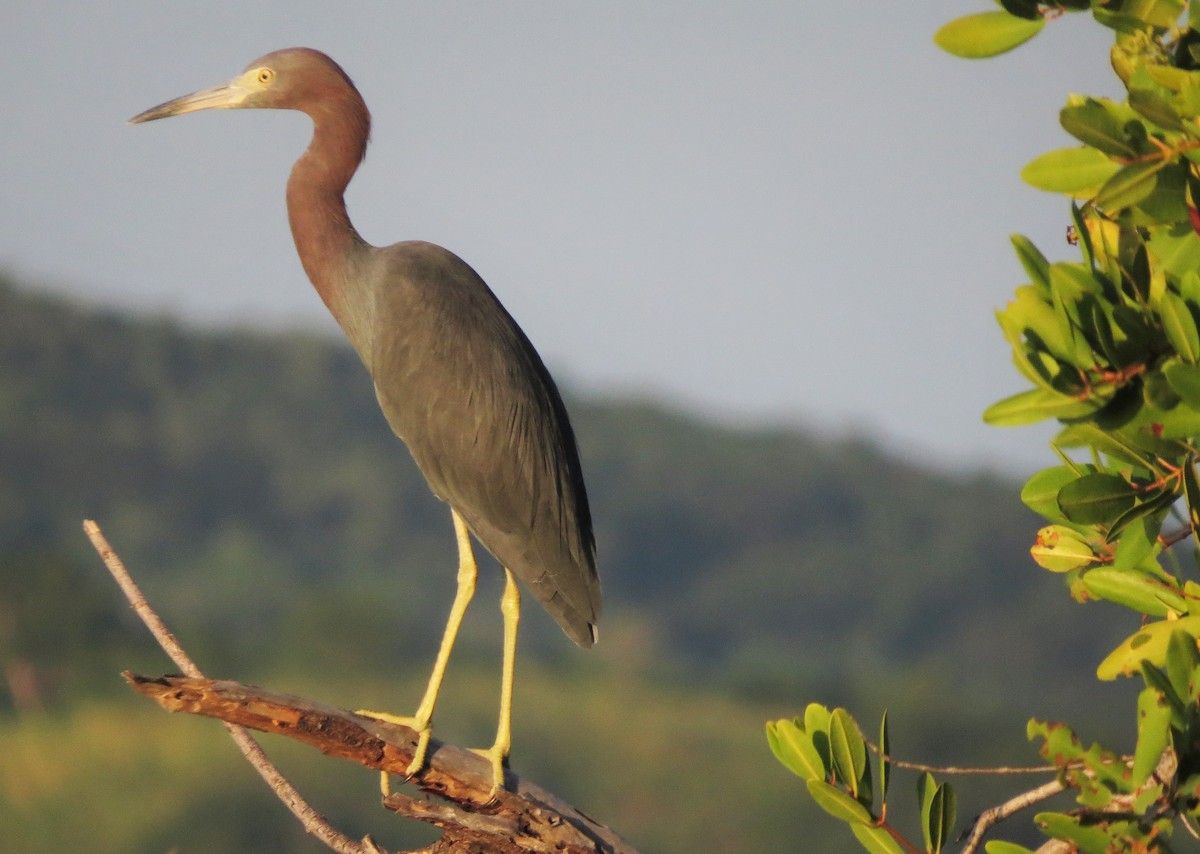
(521, 818)
(312, 821)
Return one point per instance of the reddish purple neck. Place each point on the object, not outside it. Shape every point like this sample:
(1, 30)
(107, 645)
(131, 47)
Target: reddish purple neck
(325, 239)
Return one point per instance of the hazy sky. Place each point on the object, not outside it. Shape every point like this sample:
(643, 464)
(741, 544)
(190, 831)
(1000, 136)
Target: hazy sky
(785, 212)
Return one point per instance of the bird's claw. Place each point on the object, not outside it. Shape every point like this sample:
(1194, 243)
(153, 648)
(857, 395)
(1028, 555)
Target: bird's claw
(424, 730)
(497, 756)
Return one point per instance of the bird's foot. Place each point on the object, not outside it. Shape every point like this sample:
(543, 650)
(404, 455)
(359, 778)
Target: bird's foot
(424, 730)
(497, 755)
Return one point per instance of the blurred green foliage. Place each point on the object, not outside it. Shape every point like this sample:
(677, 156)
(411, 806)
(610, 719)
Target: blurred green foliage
(254, 490)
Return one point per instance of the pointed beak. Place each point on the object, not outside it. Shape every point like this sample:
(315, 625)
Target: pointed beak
(223, 97)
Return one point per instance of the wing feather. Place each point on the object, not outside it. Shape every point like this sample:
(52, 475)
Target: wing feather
(463, 387)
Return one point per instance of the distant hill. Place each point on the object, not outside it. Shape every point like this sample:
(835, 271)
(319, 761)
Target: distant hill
(255, 491)
(239, 470)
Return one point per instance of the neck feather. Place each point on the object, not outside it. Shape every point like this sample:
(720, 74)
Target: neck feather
(326, 240)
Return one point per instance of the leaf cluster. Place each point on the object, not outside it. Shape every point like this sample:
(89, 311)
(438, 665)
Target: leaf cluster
(1141, 797)
(1109, 345)
(827, 750)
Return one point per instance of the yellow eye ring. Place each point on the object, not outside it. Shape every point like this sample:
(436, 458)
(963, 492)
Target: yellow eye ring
(264, 76)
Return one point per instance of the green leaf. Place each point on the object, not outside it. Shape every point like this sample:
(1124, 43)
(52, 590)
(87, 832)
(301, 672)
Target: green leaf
(1077, 171)
(1189, 287)
(877, 840)
(1096, 499)
(1084, 234)
(1040, 492)
(1033, 261)
(1180, 327)
(1157, 680)
(1112, 444)
(1152, 106)
(1182, 423)
(940, 821)
(1151, 504)
(816, 725)
(849, 753)
(986, 34)
(1160, 14)
(816, 718)
(1184, 380)
(1098, 123)
(1129, 185)
(1149, 643)
(1153, 733)
(1147, 798)
(1075, 279)
(1191, 491)
(1124, 404)
(1099, 331)
(1073, 288)
(1033, 405)
(1137, 543)
(1092, 840)
(1136, 264)
(1167, 205)
(937, 811)
(1133, 589)
(926, 789)
(1137, 332)
(1060, 549)
(1096, 772)
(885, 764)
(1031, 318)
(1182, 660)
(999, 846)
(1167, 76)
(1178, 248)
(1158, 392)
(838, 804)
(793, 747)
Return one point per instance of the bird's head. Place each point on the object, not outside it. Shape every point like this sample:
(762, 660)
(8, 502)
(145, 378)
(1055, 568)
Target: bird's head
(297, 78)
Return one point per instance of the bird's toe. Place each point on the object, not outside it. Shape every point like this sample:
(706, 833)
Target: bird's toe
(497, 757)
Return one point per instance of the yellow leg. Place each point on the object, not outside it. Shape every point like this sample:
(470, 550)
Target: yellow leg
(422, 720)
(510, 607)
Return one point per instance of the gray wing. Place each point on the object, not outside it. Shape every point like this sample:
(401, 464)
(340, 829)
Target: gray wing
(460, 383)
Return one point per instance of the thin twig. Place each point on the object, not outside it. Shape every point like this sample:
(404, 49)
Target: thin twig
(1186, 821)
(312, 821)
(952, 769)
(989, 818)
(137, 600)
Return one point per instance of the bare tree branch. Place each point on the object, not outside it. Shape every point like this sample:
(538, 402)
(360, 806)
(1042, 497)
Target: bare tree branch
(522, 817)
(991, 817)
(1164, 772)
(313, 822)
(519, 819)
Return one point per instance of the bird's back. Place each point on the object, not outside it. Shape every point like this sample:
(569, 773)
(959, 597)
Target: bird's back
(460, 383)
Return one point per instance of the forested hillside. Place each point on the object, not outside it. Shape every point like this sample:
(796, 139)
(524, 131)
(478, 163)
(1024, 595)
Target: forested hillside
(254, 489)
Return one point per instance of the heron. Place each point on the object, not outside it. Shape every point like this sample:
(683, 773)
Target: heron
(455, 376)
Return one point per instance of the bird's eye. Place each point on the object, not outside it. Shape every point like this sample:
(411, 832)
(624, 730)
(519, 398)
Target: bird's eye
(265, 76)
